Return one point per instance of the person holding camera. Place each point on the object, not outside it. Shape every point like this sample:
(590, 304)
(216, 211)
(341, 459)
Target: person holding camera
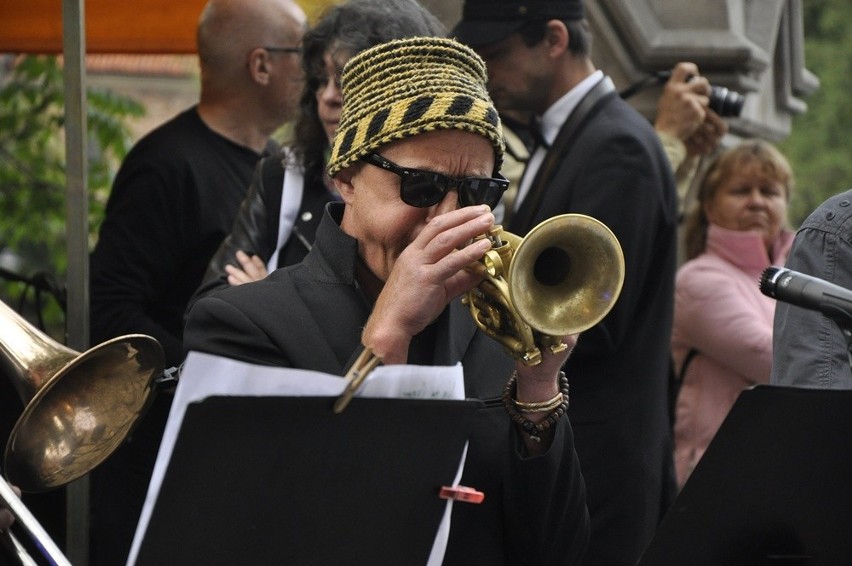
(687, 125)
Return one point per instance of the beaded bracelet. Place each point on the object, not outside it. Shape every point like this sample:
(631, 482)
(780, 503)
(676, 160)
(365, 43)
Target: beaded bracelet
(534, 430)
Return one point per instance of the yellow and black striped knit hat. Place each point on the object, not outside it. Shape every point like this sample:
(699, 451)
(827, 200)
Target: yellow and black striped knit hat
(406, 87)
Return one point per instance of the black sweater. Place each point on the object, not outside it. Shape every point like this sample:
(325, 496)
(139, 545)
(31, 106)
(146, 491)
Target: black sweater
(173, 201)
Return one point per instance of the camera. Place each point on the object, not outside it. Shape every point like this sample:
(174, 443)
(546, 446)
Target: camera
(726, 102)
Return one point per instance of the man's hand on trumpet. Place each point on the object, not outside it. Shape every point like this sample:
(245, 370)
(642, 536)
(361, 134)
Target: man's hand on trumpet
(535, 384)
(427, 274)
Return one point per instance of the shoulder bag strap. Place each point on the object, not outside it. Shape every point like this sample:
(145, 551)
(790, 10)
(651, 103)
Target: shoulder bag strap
(686, 361)
(291, 200)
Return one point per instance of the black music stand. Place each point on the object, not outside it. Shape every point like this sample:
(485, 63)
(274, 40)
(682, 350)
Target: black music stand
(284, 480)
(773, 488)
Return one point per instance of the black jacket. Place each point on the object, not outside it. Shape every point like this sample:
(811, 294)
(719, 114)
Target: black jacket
(174, 199)
(255, 229)
(310, 316)
(613, 169)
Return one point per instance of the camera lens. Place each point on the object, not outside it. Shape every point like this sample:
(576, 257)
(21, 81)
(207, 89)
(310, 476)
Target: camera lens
(726, 102)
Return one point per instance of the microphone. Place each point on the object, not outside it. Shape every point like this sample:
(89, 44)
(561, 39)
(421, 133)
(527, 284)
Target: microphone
(808, 292)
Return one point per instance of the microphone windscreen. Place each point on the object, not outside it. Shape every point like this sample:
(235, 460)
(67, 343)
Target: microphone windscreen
(768, 280)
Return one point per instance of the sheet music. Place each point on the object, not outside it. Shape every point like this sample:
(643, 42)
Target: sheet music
(205, 375)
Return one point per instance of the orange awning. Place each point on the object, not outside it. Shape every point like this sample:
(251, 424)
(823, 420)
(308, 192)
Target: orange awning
(112, 26)
(153, 26)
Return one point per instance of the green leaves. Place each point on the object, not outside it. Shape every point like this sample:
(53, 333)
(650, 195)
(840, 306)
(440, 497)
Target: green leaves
(32, 160)
(32, 156)
(819, 146)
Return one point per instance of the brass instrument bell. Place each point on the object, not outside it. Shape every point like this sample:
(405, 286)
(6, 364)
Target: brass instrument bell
(78, 407)
(561, 279)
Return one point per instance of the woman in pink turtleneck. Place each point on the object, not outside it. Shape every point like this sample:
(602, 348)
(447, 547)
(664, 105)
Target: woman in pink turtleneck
(722, 336)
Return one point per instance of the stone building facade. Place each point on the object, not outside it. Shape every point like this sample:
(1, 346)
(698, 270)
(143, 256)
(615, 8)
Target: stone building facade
(754, 47)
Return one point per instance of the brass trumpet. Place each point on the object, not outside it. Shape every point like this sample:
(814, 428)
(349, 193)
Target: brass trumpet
(561, 279)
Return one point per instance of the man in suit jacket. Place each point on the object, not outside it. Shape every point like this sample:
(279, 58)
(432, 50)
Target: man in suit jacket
(414, 161)
(605, 161)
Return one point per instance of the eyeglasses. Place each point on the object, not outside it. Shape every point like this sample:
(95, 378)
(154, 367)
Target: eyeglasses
(427, 188)
(296, 50)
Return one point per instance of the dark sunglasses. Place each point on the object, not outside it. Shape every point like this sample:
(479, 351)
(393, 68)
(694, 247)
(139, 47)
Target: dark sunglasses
(427, 188)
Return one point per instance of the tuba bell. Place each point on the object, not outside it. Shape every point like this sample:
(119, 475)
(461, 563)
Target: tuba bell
(78, 407)
(562, 278)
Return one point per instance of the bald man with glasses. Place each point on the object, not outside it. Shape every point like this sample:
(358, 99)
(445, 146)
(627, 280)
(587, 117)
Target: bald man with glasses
(174, 199)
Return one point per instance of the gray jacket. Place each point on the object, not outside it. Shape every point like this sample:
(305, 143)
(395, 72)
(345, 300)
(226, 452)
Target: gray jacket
(809, 349)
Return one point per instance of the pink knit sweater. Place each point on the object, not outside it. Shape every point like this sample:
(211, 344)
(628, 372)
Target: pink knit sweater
(720, 312)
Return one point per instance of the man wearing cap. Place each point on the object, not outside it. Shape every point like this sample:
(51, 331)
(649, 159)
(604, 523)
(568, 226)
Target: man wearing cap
(603, 160)
(416, 160)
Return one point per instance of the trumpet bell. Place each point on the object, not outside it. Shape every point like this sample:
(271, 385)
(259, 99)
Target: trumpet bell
(566, 274)
(78, 407)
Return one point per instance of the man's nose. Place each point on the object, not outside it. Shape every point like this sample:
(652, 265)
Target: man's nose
(449, 203)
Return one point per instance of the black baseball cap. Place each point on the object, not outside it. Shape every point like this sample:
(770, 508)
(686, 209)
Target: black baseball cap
(489, 21)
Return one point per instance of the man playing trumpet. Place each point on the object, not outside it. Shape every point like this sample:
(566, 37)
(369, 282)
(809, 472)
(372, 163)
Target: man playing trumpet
(416, 159)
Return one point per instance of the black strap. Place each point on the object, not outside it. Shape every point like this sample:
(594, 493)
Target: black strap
(604, 89)
(686, 361)
(676, 381)
(272, 179)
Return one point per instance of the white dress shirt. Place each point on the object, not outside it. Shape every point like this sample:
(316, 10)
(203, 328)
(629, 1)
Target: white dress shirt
(551, 121)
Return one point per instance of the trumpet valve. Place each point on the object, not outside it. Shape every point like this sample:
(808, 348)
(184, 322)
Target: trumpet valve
(493, 234)
(493, 262)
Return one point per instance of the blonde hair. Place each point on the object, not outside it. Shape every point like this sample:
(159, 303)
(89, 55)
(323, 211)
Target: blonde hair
(773, 165)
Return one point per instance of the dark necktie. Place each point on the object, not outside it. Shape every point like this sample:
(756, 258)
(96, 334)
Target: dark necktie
(537, 136)
(533, 139)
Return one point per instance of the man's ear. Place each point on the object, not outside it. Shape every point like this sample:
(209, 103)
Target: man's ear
(257, 64)
(556, 36)
(343, 181)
